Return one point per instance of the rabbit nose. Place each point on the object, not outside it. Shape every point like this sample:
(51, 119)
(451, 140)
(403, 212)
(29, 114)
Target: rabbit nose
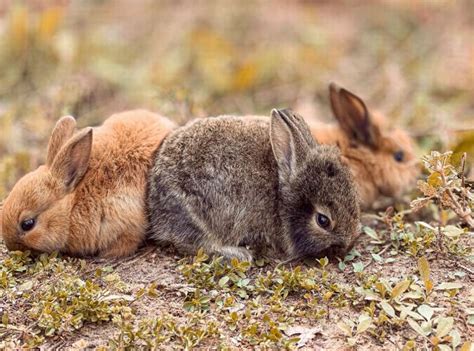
(338, 250)
(15, 246)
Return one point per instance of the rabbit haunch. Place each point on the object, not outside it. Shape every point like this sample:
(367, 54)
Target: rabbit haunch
(89, 197)
(228, 183)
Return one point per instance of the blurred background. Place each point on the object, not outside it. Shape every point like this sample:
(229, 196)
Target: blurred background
(412, 60)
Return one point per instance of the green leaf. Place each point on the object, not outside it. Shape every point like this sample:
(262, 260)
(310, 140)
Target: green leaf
(416, 327)
(346, 329)
(470, 320)
(223, 281)
(377, 258)
(358, 267)
(351, 341)
(444, 326)
(426, 311)
(364, 323)
(369, 294)
(323, 261)
(370, 232)
(456, 338)
(452, 231)
(426, 225)
(405, 311)
(28, 285)
(388, 308)
(242, 293)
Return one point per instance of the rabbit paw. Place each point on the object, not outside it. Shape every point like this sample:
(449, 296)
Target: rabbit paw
(230, 252)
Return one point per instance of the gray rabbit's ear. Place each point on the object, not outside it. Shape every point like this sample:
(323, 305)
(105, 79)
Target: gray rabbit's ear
(353, 116)
(291, 139)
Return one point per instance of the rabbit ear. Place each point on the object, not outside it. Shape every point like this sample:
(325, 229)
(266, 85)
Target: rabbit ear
(62, 132)
(1, 217)
(291, 139)
(353, 116)
(72, 161)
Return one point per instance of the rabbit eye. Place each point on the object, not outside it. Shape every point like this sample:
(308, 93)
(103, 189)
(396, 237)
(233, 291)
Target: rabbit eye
(28, 224)
(323, 221)
(330, 170)
(399, 156)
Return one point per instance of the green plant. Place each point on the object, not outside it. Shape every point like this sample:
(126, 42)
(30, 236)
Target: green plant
(446, 186)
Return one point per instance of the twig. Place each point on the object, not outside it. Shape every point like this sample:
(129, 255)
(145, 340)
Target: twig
(140, 256)
(440, 233)
(464, 214)
(467, 269)
(282, 263)
(463, 181)
(378, 253)
(384, 249)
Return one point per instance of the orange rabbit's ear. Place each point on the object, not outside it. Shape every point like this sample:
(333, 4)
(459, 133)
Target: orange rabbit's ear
(62, 132)
(345, 161)
(72, 161)
(353, 116)
(1, 217)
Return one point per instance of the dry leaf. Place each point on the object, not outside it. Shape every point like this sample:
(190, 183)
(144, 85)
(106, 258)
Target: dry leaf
(400, 288)
(449, 286)
(424, 268)
(303, 333)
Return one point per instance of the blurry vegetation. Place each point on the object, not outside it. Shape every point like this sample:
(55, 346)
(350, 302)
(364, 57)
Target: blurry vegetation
(406, 285)
(91, 58)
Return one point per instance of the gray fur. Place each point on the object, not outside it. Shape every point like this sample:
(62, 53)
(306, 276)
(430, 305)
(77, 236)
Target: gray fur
(236, 186)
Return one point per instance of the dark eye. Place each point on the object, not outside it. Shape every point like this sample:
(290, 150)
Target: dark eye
(28, 224)
(399, 156)
(323, 221)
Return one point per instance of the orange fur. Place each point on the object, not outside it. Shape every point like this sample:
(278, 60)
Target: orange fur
(103, 213)
(368, 147)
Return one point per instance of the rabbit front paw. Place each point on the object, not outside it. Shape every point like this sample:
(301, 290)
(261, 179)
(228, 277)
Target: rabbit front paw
(238, 252)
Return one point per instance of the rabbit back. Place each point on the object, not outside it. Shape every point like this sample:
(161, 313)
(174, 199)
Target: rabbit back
(112, 197)
(227, 183)
(215, 184)
(88, 199)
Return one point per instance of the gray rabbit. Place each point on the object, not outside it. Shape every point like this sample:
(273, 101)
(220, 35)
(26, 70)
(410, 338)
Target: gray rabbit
(239, 186)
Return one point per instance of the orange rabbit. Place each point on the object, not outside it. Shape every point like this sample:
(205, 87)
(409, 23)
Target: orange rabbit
(382, 161)
(88, 199)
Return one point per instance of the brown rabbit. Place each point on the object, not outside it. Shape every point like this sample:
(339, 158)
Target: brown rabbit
(235, 186)
(382, 161)
(88, 199)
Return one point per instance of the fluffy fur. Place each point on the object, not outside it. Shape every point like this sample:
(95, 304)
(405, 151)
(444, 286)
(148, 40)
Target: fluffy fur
(89, 197)
(236, 186)
(369, 148)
